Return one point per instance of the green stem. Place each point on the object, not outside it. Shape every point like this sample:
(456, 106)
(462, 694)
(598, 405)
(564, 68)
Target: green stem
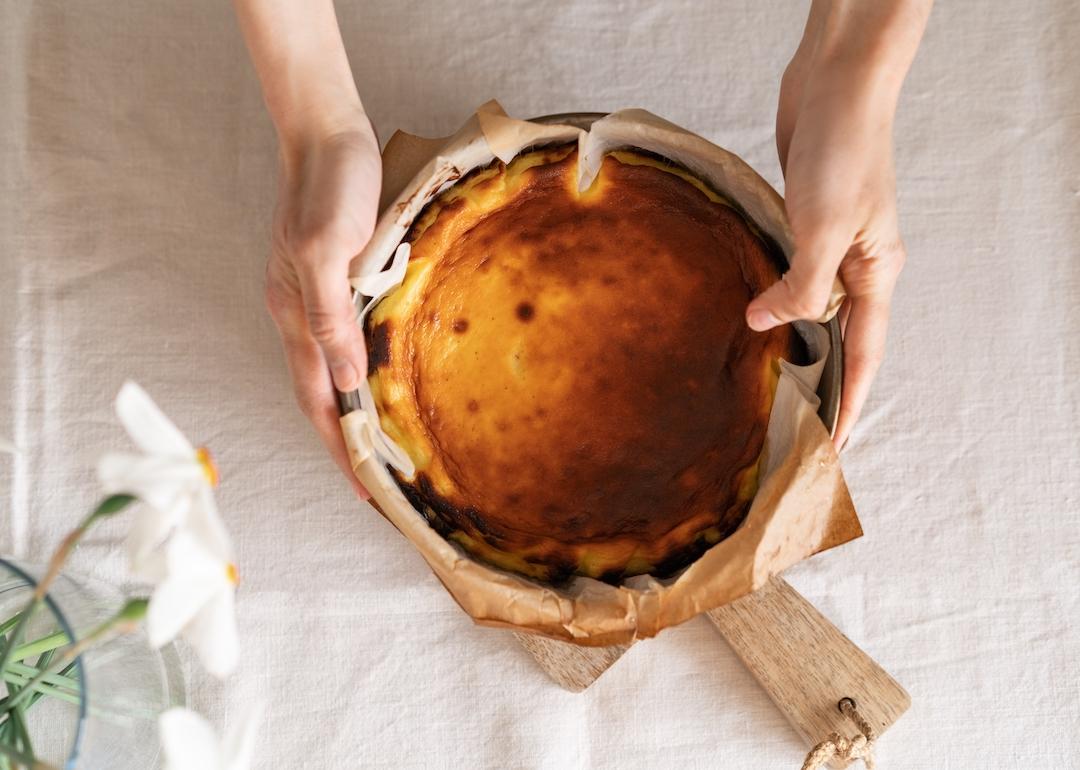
(22, 671)
(48, 691)
(24, 618)
(43, 662)
(18, 718)
(21, 758)
(125, 621)
(59, 691)
(8, 736)
(39, 695)
(7, 624)
(13, 728)
(41, 646)
(106, 507)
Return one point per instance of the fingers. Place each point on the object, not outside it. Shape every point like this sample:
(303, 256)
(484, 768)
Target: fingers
(864, 349)
(842, 316)
(322, 270)
(804, 290)
(311, 382)
(317, 400)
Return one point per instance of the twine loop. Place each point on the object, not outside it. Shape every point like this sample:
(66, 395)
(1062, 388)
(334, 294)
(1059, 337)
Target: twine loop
(836, 746)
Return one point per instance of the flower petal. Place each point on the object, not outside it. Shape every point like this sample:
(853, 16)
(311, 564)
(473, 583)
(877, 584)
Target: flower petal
(194, 578)
(147, 533)
(149, 428)
(187, 556)
(164, 483)
(151, 568)
(205, 523)
(238, 746)
(7, 447)
(189, 741)
(212, 633)
(174, 604)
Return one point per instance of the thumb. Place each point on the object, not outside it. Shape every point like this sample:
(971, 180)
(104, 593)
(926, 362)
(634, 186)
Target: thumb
(331, 318)
(803, 292)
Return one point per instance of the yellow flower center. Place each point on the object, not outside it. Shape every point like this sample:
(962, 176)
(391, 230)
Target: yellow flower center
(232, 574)
(206, 460)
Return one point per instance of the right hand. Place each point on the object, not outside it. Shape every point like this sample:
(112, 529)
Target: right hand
(834, 137)
(328, 198)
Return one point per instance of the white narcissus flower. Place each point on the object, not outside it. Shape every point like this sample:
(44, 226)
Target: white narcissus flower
(171, 476)
(196, 600)
(191, 744)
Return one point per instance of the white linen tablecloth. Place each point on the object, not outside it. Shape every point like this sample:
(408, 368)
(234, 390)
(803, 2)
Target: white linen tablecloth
(137, 172)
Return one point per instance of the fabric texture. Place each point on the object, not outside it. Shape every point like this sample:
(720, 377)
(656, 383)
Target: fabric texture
(137, 178)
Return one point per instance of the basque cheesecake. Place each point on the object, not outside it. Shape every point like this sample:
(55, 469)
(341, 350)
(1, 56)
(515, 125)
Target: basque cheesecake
(571, 373)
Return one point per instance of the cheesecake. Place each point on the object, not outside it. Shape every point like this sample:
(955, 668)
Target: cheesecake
(571, 372)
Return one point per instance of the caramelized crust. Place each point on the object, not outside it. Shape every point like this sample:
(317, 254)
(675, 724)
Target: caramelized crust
(571, 373)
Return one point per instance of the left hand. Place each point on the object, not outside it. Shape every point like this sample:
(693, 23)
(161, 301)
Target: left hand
(328, 197)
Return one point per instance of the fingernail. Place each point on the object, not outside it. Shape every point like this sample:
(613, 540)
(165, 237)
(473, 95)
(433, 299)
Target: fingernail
(344, 374)
(761, 320)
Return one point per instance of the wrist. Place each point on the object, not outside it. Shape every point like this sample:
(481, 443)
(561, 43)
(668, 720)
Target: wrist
(863, 85)
(308, 138)
(307, 122)
(300, 58)
(869, 44)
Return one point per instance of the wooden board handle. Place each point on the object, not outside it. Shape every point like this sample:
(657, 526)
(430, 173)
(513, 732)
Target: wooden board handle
(571, 666)
(806, 665)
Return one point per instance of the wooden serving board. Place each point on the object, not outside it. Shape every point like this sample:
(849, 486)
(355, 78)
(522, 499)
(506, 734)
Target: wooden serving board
(803, 661)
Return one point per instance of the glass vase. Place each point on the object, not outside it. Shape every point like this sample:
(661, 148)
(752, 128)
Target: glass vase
(109, 718)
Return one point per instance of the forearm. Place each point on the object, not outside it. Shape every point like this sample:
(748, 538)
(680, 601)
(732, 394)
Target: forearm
(870, 44)
(300, 59)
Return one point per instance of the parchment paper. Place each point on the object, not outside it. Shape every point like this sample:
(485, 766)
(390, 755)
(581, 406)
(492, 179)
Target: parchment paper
(802, 505)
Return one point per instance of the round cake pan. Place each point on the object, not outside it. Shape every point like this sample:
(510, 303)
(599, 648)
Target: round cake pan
(831, 377)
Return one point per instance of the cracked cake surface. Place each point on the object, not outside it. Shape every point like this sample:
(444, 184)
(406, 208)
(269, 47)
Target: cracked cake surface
(571, 373)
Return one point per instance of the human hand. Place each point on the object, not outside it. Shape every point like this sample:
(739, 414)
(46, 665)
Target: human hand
(328, 197)
(835, 146)
(834, 136)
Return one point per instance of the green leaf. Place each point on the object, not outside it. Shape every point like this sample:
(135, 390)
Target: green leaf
(64, 672)
(13, 639)
(13, 754)
(122, 622)
(112, 504)
(18, 716)
(40, 688)
(10, 623)
(39, 646)
(20, 674)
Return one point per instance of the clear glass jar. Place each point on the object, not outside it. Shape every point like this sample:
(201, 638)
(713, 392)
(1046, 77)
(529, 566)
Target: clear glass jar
(122, 686)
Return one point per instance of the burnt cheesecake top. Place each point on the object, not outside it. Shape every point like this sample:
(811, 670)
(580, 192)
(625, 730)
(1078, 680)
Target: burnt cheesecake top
(571, 373)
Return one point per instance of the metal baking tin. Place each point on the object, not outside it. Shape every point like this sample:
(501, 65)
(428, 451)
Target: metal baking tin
(831, 377)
